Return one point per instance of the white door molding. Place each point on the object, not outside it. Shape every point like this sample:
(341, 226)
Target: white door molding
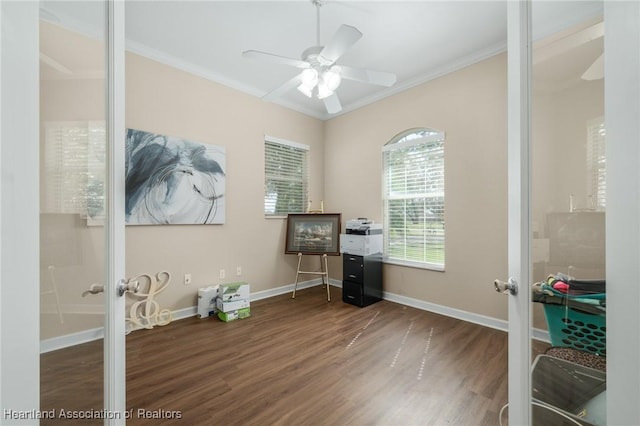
(622, 123)
(519, 54)
(19, 211)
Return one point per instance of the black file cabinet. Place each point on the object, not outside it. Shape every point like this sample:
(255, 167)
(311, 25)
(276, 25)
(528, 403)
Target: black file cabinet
(361, 279)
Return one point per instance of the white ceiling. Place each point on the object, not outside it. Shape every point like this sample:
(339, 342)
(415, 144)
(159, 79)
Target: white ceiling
(416, 40)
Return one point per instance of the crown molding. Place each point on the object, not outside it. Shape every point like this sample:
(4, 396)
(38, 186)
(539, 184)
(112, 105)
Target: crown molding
(433, 74)
(172, 61)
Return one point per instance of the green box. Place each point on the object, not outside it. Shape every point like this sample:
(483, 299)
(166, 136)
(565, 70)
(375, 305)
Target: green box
(233, 291)
(234, 315)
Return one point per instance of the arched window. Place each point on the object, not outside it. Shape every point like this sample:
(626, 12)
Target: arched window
(413, 199)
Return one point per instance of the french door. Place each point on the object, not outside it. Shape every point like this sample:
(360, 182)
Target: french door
(63, 249)
(573, 174)
(81, 252)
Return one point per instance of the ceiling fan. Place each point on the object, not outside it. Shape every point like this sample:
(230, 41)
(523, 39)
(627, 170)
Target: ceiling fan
(320, 75)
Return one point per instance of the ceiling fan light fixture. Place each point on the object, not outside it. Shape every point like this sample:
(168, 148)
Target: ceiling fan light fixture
(306, 90)
(318, 67)
(309, 78)
(332, 79)
(323, 90)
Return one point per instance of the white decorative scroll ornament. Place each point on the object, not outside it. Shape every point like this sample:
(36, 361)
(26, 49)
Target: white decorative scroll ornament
(146, 313)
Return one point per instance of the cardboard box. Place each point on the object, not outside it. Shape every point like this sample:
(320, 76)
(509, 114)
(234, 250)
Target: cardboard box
(233, 305)
(234, 315)
(207, 301)
(233, 291)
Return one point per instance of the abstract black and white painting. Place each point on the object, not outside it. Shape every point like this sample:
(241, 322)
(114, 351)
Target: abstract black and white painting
(173, 181)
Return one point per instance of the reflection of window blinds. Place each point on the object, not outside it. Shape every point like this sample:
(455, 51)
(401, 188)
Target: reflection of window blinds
(596, 163)
(74, 167)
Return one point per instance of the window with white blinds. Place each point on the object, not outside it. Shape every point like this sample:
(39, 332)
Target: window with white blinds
(286, 178)
(596, 164)
(413, 199)
(74, 168)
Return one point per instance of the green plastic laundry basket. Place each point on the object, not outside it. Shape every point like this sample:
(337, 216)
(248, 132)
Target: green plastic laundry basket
(576, 328)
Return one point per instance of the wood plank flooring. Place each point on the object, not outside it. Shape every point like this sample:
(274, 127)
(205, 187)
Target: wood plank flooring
(297, 362)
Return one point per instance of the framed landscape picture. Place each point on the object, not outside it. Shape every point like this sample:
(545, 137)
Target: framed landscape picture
(314, 233)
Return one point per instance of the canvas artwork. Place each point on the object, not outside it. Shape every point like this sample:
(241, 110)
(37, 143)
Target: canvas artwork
(173, 181)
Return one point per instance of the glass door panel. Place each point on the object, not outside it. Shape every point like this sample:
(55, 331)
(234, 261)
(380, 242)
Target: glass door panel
(568, 187)
(73, 170)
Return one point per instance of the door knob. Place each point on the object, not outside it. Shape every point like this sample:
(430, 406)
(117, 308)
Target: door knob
(131, 286)
(510, 286)
(95, 288)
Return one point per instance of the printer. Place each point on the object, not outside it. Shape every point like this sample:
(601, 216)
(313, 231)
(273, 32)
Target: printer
(362, 238)
(363, 227)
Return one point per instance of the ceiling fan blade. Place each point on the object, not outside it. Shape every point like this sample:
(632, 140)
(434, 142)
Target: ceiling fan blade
(255, 54)
(596, 70)
(342, 40)
(368, 76)
(332, 104)
(284, 88)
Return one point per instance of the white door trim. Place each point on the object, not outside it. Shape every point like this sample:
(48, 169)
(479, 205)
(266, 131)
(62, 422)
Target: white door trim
(115, 344)
(519, 205)
(19, 211)
(622, 123)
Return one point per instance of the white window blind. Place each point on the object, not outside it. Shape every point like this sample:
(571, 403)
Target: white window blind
(413, 199)
(286, 177)
(74, 168)
(596, 164)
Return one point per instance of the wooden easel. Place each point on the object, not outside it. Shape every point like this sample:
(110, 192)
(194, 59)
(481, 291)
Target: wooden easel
(323, 273)
(324, 270)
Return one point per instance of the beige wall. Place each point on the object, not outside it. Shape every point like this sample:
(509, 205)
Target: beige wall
(559, 160)
(74, 250)
(470, 107)
(346, 158)
(165, 100)
(559, 135)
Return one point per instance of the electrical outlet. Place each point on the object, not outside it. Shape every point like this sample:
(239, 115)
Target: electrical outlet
(187, 279)
(238, 271)
(222, 274)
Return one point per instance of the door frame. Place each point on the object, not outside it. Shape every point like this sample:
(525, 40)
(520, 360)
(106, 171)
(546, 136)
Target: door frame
(114, 323)
(19, 210)
(519, 53)
(622, 123)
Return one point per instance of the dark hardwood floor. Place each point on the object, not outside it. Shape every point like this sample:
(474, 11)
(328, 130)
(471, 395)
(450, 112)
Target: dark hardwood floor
(296, 362)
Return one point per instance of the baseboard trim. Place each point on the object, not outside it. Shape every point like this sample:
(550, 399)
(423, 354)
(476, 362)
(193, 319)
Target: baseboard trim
(541, 335)
(86, 336)
(90, 335)
(471, 317)
(72, 339)
(447, 311)
(265, 294)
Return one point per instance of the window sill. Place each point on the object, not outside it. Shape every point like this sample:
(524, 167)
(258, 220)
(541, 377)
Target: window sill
(417, 265)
